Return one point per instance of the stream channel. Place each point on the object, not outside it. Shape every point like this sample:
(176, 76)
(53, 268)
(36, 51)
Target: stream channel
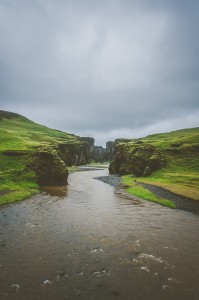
(92, 241)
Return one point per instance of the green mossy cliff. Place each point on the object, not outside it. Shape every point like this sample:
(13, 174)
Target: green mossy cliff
(169, 160)
(137, 158)
(38, 154)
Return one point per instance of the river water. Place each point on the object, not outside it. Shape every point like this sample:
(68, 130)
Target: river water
(92, 241)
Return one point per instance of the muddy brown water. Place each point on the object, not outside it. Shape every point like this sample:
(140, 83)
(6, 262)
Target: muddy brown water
(90, 241)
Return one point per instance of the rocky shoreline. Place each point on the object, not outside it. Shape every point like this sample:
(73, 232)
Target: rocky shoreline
(181, 202)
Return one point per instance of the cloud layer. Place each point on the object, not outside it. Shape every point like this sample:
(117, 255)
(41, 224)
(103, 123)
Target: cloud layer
(103, 68)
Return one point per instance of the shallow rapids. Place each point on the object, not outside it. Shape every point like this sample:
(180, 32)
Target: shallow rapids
(90, 241)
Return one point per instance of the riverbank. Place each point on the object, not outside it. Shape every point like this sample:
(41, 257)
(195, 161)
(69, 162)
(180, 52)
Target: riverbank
(181, 202)
(151, 193)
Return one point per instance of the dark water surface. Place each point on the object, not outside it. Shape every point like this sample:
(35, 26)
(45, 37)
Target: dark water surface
(94, 242)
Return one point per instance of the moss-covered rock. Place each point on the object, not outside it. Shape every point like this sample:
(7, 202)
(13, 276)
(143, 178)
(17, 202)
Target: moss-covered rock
(49, 167)
(147, 172)
(124, 169)
(139, 159)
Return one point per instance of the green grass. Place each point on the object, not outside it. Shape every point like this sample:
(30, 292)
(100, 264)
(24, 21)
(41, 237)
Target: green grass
(16, 181)
(137, 190)
(22, 134)
(184, 138)
(17, 195)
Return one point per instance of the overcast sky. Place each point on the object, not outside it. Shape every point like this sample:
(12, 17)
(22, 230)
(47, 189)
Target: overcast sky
(105, 69)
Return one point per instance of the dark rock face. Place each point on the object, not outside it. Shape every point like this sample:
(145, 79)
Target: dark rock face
(139, 159)
(90, 142)
(49, 168)
(109, 150)
(77, 153)
(100, 154)
(88, 148)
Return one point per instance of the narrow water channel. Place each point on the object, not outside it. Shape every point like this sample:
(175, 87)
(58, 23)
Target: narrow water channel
(94, 242)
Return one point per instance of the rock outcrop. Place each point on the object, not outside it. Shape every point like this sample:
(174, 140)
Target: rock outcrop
(109, 150)
(136, 158)
(100, 154)
(78, 153)
(50, 163)
(49, 167)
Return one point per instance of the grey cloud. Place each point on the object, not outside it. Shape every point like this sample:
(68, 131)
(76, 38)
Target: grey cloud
(101, 67)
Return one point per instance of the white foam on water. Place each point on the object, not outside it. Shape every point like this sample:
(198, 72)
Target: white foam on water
(152, 257)
(165, 287)
(16, 286)
(97, 250)
(174, 280)
(101, 273)
(137, 243)
(78, 274)
(47, 282)
(145, 268)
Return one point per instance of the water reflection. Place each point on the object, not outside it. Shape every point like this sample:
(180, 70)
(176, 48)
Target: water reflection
(59, 191)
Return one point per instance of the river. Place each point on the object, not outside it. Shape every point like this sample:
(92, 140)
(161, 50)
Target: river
(91, 241)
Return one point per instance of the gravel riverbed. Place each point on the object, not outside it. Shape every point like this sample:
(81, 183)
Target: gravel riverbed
(181, 202)
(113, 180)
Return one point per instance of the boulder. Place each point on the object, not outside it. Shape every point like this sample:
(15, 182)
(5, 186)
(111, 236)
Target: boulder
(139, 159)
(49, 167)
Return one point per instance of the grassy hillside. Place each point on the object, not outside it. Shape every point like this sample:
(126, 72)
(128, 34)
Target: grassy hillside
(182, 139)
(19, 133)
(169, 160)
(30, 152)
